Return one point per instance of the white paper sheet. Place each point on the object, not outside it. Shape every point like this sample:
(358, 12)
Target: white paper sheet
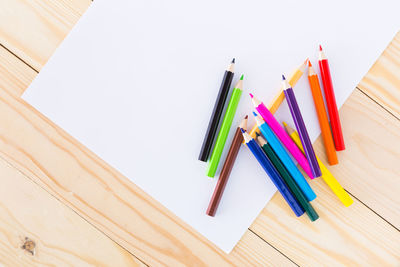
(135, 81)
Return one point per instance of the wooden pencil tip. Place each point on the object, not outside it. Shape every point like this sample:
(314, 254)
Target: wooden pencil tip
(255, 114)
(320, 48)
(243, 124)
(283, 77)
(309, 64)
(241, 77)
(243, 131)
(233, 61)
(251, 95)
(288, 129)
(257, 134)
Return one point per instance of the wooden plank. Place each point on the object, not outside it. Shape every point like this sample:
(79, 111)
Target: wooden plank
(352, 236)
(32, 29)
(253, 251)
(105, 198)
(15, 75)
(369, 165)
(60, 237)
(382, 83)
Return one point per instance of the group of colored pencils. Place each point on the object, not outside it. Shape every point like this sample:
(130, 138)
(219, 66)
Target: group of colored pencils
(271, 143)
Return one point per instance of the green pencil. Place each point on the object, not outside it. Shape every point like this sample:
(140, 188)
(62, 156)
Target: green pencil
(225, 127)
(312, 214)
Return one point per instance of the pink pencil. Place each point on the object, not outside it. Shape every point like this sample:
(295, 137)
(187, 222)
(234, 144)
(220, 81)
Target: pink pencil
(282, 135)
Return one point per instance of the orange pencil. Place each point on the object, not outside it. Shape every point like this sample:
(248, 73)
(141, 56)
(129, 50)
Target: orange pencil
(322, 115)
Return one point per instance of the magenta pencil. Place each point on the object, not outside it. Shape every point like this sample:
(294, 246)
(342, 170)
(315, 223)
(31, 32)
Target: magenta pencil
(282, 135)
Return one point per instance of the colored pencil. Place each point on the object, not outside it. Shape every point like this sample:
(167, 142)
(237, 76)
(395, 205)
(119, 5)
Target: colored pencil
(294, 78)
(301, 128)
(280, 96)
(331, 100)
(285, 158)
(225, 128)
(322, 115)
(216, 113)
(327, 176)
(282, 135)
(272, 173)
(226, 169)
(307, 207)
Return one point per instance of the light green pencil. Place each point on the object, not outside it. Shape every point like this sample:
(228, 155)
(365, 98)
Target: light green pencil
(225, 127)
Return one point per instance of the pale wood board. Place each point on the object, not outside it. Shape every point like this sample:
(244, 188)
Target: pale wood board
(32, 29)
(61, 237)
(19, 76)
(382, 82)
(22, 150)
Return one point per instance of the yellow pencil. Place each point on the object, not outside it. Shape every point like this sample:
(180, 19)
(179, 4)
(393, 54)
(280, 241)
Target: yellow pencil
(280, 96)
(329, 179)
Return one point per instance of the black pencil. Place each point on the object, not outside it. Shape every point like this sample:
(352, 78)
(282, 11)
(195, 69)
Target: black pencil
(217, 112)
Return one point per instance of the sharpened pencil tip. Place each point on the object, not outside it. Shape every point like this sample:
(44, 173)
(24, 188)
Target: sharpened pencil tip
(233, 61)
(309, 64)
(284, 123)
(255, 114)
(243, 131)
(246, 117)
(257, 134)
(283, 77)
(241, 77)
(320, 48)
(251, 95)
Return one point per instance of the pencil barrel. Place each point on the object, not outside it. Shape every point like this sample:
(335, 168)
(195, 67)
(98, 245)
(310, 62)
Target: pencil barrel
(225, 173)
(331, 104)
(215, 116)
(301, 128)
(223, 133)
(323, 120)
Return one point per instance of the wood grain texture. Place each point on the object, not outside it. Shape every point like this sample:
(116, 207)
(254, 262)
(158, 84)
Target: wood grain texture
(114, 205)
(15, 76)
(382, 82)
(32, 29)
(27, 211)
(370, 165)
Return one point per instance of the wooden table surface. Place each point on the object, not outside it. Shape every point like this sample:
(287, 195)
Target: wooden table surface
(62, 205)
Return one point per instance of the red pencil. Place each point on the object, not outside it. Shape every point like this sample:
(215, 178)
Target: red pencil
(331, 101)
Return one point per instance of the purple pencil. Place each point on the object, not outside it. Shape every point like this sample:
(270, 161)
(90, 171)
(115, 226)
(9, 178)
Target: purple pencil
(301, 128)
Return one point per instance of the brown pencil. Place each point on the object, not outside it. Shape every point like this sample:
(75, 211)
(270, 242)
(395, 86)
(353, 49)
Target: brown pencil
(226, 169)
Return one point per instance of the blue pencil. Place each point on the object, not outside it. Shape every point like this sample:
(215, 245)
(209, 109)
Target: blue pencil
(273, 174)
(285, 158)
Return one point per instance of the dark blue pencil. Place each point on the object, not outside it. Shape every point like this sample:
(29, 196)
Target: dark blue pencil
(272, 173)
